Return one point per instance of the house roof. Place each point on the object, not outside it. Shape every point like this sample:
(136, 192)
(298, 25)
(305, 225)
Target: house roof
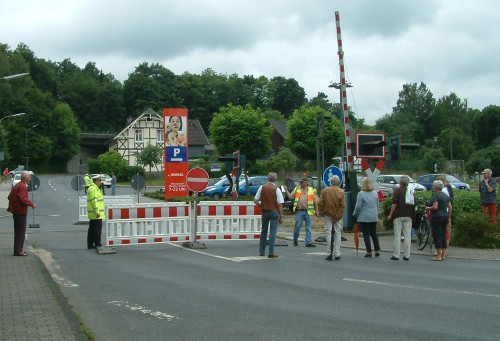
(279, 126)
(196, 134)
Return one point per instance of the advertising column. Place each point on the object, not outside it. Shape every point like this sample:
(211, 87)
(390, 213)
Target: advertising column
(176, 154)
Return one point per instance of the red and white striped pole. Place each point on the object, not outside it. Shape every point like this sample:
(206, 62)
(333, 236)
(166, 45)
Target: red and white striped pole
(345, 108)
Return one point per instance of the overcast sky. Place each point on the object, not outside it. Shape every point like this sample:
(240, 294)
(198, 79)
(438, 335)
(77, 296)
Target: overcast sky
(450, 45)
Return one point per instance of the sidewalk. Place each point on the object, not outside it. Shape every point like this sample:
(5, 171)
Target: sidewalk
(32, 306)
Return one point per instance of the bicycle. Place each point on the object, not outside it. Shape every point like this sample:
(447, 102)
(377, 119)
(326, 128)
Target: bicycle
(423, 226)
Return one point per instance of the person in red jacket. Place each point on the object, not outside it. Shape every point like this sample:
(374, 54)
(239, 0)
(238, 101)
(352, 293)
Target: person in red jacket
(18, 206)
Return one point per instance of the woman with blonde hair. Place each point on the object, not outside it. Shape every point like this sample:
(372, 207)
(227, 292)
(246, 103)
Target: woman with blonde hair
(366, 211)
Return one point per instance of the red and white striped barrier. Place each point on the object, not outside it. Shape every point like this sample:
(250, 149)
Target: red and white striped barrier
(228, 221)
(147, 223)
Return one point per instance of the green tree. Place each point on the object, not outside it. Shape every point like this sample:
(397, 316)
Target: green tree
(150, 156)
(412, 115)
(288, 95)
(432, 156)
(112, 162)
(150, 86)
(303, 132)
(241, 128)
(462, 144)
(282, 162)
(487, 125)
(484, 158)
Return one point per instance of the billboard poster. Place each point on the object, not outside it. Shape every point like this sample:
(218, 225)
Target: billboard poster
(176, 153)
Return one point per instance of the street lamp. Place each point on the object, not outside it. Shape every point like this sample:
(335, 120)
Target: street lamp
(15, 76)
(27, 156)
(13, 115)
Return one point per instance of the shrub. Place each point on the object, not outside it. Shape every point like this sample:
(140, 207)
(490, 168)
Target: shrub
(474, 229)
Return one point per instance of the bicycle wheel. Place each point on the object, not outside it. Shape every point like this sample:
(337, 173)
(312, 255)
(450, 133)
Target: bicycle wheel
(423, 232)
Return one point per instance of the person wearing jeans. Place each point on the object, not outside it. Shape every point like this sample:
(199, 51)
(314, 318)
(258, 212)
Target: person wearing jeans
(331, 206)
(305, 206)
(403, 215)
(270, 199)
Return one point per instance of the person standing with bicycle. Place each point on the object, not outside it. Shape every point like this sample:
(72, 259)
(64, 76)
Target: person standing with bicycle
(440, 207)
(403, 213)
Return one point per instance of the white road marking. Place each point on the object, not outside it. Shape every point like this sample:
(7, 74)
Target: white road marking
(413, 287)
(142, 309)
(231, 259)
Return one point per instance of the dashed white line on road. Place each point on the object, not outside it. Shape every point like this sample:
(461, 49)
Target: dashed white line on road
(413, 287)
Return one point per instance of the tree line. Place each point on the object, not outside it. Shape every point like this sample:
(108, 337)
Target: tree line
(64, 100)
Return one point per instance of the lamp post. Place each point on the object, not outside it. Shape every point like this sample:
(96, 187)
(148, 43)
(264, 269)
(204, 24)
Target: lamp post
(13, 115)
(451, 149)
(27, 156)
(15, 76)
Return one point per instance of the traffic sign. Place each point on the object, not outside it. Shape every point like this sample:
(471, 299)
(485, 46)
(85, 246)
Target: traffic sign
(197, 179)
(77, 183)
(329, 173)
(34, 183)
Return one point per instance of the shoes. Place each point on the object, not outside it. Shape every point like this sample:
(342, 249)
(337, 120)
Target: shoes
(377, 254)
(368, 255)
(295, 243)
(394, 258)
(337, 258)
(329, 257)
(262, 255)
(406, 258)
(22, 254)
(310, 245)
(436, 259)
(273, 256)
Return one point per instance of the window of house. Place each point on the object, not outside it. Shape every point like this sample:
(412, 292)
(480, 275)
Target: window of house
(159, 136)
(138, 135)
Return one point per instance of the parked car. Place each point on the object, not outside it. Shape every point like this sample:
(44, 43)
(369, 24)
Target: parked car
(427, 180)
(217, 191)
(106, 181)
(386, 191)
(392, 181)
(254, 182)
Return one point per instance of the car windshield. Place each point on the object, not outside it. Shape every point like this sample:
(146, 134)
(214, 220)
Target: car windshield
(220, 182)
(451, 178)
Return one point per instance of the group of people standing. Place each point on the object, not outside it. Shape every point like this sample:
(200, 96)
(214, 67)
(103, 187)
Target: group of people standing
(331, 205)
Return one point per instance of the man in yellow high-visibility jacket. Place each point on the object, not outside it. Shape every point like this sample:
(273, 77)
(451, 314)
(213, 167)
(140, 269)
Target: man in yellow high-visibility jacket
(88, 182)
(305, 206)
(95, 212)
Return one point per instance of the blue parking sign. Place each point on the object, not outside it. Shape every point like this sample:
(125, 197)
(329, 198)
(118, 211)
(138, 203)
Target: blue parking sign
(330, 172)
(176, 154)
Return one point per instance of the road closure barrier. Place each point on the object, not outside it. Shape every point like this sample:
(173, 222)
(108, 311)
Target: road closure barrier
(228, 220)
(108, 201)
(152, 223)
(147, 223)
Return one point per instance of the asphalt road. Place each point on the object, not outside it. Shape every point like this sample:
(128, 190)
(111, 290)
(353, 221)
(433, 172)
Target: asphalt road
(228, 292)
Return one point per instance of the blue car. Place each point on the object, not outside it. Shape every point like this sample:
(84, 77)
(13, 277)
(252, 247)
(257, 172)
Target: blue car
(217, 190)
(254, 182)
(428, 179)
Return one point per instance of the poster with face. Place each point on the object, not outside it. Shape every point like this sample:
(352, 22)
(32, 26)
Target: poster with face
(176, 154)
(175, 131)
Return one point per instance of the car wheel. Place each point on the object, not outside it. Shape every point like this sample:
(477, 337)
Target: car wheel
(216, 196)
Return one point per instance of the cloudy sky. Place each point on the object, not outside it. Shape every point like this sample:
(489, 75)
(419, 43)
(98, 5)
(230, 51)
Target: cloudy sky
(452, 45)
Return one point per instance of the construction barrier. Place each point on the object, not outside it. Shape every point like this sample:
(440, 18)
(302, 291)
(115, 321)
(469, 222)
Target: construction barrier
(228, 220)
(108, 201)
(147, 223)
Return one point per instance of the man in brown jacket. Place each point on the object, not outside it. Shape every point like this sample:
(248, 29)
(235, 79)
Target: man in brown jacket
(331, 206)
(270, 199)
(18, 206)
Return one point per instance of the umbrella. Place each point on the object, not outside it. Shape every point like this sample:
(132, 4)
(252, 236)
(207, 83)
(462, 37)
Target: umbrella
(356, 238)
